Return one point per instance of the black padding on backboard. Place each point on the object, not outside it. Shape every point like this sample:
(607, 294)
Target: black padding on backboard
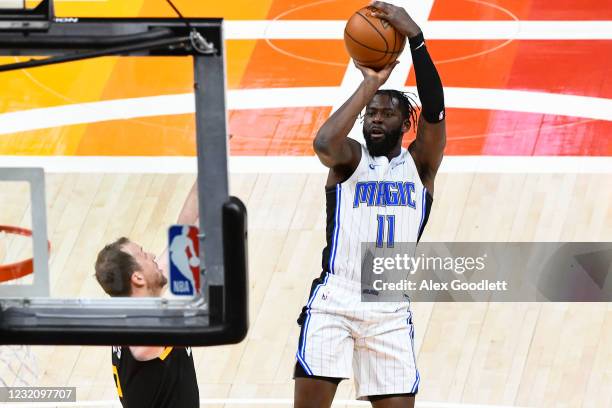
(235, 251)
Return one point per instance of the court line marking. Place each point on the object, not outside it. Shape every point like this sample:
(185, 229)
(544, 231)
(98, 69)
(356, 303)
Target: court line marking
(28, 74)
(305, 164)
(467, 98)
(400, 72)
(489, 50)
(250, 401)
(290, 54)
(434, 30)
(511, 132)
(287, 53)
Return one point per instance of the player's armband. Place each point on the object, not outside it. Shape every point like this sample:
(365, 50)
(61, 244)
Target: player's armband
(428, 81)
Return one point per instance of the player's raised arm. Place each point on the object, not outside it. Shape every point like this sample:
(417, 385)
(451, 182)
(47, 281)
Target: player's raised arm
(332, 146)
(428, 148)
(189, 215)
(190, 212)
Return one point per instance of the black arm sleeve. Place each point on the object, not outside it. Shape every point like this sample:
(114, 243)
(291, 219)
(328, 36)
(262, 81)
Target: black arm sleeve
(428, 81)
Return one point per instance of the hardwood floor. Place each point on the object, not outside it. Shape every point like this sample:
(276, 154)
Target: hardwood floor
(525, 354)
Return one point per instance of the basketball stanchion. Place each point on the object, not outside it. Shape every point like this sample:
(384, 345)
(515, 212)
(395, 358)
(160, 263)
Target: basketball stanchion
(214, 316)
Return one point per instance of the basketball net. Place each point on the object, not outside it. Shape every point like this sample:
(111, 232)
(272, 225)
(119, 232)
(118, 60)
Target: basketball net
(18, 367)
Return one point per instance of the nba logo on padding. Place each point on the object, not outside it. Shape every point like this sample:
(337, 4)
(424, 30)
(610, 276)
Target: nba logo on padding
(183, 250)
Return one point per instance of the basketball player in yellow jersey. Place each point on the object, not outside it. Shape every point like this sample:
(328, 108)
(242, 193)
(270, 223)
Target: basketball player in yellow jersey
(379, 193)
(147, 376)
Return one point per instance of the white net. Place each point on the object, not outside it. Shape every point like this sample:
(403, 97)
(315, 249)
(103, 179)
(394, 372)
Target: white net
(18, 366)
(18, 363)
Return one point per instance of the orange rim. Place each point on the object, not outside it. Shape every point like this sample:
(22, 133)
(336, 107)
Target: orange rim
(17, 269)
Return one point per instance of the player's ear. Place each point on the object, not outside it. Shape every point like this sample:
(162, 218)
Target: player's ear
(405, 125)
(138, 279)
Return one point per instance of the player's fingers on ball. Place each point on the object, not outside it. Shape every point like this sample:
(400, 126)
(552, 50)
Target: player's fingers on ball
(362, 68)
(381, 6)
(366, 71)
(380, 15)
(390, 66)
(376, 11)
(377, 3)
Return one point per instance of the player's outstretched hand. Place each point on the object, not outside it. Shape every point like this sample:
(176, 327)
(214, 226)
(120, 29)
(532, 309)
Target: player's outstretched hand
(379, 77)
(397, 17)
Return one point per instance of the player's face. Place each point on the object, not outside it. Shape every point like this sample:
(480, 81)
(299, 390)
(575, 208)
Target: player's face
(153, 277)
(382, 125)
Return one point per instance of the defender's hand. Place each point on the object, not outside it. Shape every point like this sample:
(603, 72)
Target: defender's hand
(397, 17)
(377, 77)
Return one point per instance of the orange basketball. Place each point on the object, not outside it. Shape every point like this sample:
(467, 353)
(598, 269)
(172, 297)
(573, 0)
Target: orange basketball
(371, 41)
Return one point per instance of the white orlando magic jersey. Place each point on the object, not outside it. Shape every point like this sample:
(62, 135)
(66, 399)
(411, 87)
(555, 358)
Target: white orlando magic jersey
(382, 202)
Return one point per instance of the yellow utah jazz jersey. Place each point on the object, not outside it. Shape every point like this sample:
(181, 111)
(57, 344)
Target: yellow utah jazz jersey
(167, 381)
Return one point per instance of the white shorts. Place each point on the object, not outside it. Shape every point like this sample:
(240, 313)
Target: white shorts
(376, 339)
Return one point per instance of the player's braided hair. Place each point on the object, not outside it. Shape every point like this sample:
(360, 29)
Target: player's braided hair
(407, 104)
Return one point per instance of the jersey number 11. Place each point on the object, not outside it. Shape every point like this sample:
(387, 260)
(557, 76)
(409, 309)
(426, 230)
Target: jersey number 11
(380, 236)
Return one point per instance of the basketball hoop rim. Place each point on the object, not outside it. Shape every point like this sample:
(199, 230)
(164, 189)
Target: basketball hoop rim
(19, 269)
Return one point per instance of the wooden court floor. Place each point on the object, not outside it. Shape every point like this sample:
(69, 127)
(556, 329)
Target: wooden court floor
(511, 354)
(518, 354)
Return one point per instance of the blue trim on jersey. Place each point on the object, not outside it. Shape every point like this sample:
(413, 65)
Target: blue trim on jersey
(415, 386)
(391, 231)
(380, 219)
(332, 257)
(301, 353)
(423, 208)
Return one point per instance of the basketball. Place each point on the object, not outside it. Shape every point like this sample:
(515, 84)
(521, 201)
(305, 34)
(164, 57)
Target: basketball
(371, 41)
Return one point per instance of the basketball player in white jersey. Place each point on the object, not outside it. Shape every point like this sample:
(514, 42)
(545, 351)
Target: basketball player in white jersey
(377, 192)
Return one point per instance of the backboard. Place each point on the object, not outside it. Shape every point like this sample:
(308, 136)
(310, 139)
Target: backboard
(79, 213)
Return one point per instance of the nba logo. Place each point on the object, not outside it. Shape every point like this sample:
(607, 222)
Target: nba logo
(184, 253)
